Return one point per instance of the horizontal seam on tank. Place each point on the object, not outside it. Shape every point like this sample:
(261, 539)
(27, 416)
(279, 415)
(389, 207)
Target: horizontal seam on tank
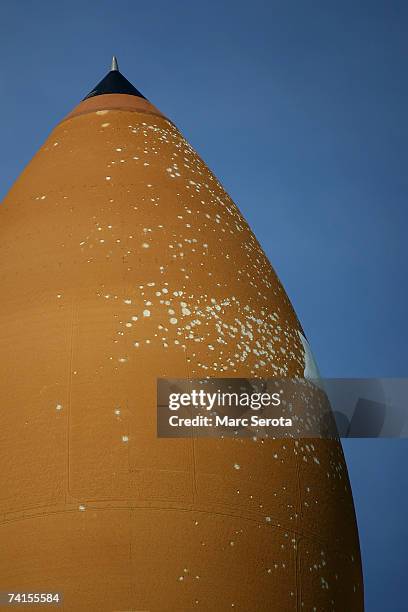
(302, 534)
(122, 110)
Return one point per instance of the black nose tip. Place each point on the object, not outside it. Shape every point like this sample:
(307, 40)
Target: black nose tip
(114, 83)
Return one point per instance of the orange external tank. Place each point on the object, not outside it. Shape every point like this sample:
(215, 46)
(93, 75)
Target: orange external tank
(122, 259)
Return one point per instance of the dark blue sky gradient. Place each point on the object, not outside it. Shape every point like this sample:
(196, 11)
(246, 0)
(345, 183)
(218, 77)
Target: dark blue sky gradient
(300, 108)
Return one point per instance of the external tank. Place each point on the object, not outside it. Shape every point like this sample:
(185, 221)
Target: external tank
(123, 259)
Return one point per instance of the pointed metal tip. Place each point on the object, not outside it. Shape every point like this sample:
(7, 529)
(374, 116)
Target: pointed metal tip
(115, 66)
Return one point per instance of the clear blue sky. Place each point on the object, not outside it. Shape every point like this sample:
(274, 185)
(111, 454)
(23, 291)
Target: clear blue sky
(319, 169)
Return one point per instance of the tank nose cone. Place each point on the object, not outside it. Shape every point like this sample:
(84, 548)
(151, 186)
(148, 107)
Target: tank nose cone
(114, 83)
(114, 93)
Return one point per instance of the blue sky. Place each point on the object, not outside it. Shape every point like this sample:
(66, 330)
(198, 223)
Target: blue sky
(300, 108)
